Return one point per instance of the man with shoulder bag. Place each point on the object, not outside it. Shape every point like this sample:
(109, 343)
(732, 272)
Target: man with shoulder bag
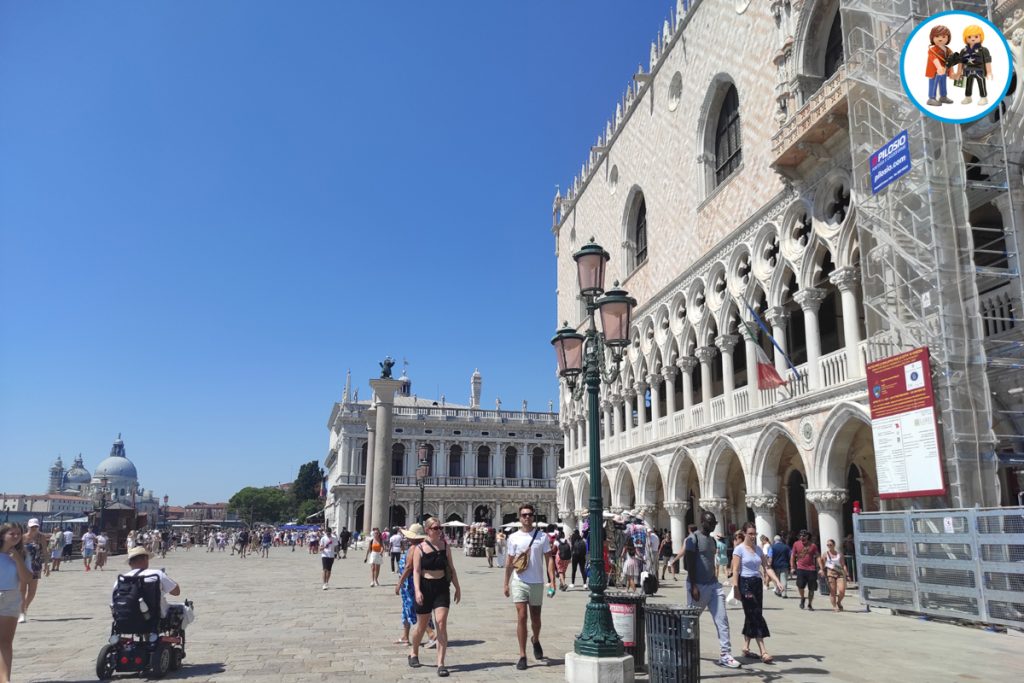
(529, 557)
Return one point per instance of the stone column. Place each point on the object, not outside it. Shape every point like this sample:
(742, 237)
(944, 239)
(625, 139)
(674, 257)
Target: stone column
(669, 373)
(385, 390)
(846, 281)
(568, 518)
(616, 414)
(810, 301)
(763, 506)
(705, 354)
(583, 513)
(581, 433)
(641, 408)
(725, 344)
(778, 317)
(654, 380)
(606, 410)
(829, 504)
(750, 347)
(371, 450)
(716, 506)
(686, 366)
(677, 523)
(627, 404)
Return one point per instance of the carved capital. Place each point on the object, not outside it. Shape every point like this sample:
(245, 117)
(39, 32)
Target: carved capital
(582, 513)
(777, 316)
(845, 279)
(640, 387)
(606, 405)
(616, 400)
(669, 372)
(686, 364)
(616, 510)
(828, 500)
(564, 514)
(714, 505)
(645, 511)
(630, 393)
(810, 298)
(705, 354)
(655, 380)
(762, 503)
(677, 509)
(726, 342)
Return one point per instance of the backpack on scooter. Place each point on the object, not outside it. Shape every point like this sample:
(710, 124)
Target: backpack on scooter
(135, 604)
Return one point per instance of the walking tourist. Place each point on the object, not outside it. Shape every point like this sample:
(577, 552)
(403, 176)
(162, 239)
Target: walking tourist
(433, 575)
(88, 548)
(35, 542)
(375, 556)
(69, 539)
(748, 564)
(780, 563)
(395, 544)
(529, 557)
(265, 541)
(803, 561)
(722, 556)
(500, 549)
(243, 543)
(490, 540)
(832, 562)
(102, 548)
(563, 555)
(630, 566)
(14, 578)
(699, 555)
(328, 551)
(56, 549)
(405, 588)
(579, 558)
(346, 539)
(665, 553)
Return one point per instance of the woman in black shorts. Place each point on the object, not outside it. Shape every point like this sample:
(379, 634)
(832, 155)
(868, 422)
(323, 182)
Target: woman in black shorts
(433, 573)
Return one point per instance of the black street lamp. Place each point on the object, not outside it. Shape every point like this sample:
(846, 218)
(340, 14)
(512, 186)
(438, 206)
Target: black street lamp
(103, 491)
(586, 354)
(422, 472)
(166, 510)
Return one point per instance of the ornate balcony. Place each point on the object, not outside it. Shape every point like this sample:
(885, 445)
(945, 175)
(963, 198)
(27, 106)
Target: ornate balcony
(804, 133)
(458, 482)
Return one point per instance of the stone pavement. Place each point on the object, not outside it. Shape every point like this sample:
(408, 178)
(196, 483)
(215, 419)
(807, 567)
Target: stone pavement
(268, 620)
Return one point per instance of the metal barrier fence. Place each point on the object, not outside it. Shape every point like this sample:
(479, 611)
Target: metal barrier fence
(959, 564)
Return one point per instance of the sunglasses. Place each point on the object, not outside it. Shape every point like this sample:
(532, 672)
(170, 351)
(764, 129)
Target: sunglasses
(433, 528)
(526, 514)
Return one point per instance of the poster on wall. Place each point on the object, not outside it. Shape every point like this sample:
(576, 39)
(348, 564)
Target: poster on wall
(908, 456)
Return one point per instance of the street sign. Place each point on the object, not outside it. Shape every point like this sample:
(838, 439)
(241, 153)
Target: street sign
(906, 438)
(890, 162)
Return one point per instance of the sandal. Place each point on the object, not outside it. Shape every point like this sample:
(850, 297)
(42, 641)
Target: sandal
(414, 661)
(401, 642)
(749, 655)
(767, 659)
(442, 671)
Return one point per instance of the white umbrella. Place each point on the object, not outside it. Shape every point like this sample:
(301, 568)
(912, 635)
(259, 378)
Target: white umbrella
(512, 524)
(455, 523)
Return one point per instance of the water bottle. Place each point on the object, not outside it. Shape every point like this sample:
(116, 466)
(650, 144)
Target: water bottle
(144, 608)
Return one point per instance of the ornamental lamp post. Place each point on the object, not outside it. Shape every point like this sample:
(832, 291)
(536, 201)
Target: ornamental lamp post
(103, 499)
(422, 472)
(166, 510)
(587, 354)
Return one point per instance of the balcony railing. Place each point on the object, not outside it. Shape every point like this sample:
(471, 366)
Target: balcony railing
(821, 116)
(459, 482)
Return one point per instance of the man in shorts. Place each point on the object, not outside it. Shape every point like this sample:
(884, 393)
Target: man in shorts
(395, 544)
(69, 539)
(346, 538)
(489, 540)
(88, 548)
(328, 551)
(803, 561)
(526, 588)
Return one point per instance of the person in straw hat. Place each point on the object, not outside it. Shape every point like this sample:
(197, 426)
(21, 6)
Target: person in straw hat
(414, 534)
(138, 560)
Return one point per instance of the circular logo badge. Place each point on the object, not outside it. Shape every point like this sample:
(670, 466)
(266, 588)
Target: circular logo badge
(956, 67)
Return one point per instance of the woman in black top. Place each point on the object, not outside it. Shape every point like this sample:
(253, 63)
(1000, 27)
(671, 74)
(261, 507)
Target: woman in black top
(433, 572)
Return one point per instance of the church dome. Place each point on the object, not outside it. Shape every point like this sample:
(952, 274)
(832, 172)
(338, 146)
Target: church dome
(117, 464)
(78, 474)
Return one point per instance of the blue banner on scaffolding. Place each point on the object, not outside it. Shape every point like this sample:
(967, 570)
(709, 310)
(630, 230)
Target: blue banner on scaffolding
(890, 163)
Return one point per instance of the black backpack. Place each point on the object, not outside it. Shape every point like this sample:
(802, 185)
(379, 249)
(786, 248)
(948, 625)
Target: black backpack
(579, 548)
(564, 551)
(135, 604)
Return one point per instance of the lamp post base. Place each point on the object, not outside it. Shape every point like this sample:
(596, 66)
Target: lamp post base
(583, 669)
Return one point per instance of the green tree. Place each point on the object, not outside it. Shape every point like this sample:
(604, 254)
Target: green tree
(267, 504)
(307, 483)
(307, 508)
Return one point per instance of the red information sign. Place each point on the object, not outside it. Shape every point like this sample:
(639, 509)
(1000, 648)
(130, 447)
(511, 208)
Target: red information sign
(908, 456)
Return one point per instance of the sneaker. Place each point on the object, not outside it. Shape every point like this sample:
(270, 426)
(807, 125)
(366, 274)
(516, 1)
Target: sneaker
(945, 100)
(22, 618)
(802, 602)
(325, 587)
(932, 102)
(810, 607)
(778, 593)
(983, 101)
(538, 651)
(966, 100)
(728, 661)
(521, 664)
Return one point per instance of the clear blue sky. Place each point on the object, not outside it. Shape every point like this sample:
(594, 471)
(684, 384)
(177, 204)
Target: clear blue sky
(210, 210)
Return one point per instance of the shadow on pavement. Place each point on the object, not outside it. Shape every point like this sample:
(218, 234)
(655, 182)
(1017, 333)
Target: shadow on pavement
(204, 669)
(465, 643)
(62, 619)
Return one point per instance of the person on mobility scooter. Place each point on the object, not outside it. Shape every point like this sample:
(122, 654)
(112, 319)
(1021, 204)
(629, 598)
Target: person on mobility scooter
(147, 634)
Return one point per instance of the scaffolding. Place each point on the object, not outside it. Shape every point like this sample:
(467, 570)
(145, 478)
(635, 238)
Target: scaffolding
(923, 263)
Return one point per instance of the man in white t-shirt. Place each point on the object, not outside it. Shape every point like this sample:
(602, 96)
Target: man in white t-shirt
(88, 548)
(395, 541)
(138, 560)
(328, 551)
(526, 588)
(69, 539)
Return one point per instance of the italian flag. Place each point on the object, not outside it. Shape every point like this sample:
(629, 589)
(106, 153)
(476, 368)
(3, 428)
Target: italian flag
(767, 376)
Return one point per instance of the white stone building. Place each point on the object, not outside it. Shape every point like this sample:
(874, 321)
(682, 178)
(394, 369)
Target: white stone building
(726, 178)
(482, 463)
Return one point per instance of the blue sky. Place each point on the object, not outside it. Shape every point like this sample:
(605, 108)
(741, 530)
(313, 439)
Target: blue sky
(210, 210)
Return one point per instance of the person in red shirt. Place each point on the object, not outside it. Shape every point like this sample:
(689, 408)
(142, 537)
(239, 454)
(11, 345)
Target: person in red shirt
(803, 562)
(938, 65)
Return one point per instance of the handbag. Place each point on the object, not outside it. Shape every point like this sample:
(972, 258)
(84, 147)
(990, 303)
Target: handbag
(521, 561)
(822, 585)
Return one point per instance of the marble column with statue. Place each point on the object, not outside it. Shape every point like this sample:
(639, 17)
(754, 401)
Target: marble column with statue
(371, 434)
(384, 389)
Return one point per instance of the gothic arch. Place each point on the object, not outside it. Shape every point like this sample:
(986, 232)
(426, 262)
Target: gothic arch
(635, 199)
(582, 492)
(649, 477)
(624, 487)
(566, 496)
(765, 463)
(828, 471)
(679, 469)
(716, 470)
(707, 124)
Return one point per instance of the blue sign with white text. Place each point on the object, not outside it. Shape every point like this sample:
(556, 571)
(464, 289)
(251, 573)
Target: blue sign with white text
(890, 163)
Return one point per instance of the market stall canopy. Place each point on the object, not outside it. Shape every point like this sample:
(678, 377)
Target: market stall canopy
(455, 523)
(57, 520)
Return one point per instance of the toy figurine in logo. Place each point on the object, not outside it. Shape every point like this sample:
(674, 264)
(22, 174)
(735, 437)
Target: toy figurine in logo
(938, 67)
(974, 64)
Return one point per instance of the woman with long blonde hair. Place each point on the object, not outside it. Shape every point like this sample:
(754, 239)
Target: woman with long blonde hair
(15, 576)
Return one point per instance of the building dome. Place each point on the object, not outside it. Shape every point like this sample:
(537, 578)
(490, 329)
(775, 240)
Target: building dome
(78, 474)
(116, 465)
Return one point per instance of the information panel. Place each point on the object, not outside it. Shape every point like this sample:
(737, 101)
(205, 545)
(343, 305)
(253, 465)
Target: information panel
(906, 437)
(890, 163)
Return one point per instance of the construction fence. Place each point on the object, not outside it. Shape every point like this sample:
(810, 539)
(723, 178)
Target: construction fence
(959, 564)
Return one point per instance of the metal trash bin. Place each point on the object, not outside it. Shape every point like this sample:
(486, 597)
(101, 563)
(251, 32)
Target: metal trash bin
(628, 618)
(673, 643)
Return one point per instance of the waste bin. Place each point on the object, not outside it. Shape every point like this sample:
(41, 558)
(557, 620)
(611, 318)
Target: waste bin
(673, 644)
(628, 618)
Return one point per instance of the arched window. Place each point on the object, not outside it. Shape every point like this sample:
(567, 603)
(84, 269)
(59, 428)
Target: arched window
(640, 232)
(455, 461)
(728, 151)
(834, 48)
(538, 463)
(635, 230)
(362, 461)
(483, 462)
(511, 455)
(561, 458)
(397, 460)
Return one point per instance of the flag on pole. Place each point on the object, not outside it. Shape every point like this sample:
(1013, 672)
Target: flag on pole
(778, 348)
(767, 376)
